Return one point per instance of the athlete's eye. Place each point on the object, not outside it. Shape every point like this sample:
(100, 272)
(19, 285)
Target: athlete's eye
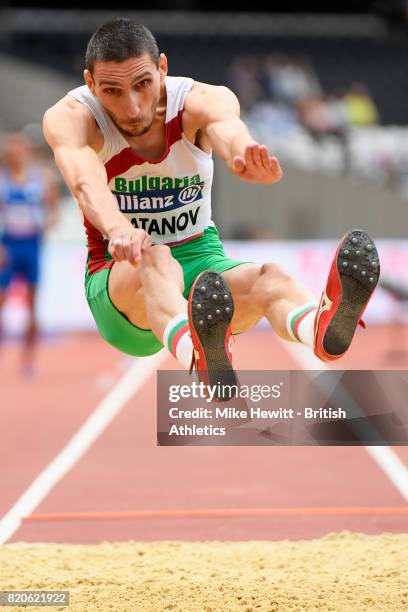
(110, 90)
(144, 83)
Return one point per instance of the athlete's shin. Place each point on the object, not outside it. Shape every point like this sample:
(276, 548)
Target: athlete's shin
(162, 283)
(300, 323)
(177, 339)
(279, 295)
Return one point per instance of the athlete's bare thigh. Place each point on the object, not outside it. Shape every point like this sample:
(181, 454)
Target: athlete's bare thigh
(245, 282)
(126, 293)
(139, 291)
(241, 281)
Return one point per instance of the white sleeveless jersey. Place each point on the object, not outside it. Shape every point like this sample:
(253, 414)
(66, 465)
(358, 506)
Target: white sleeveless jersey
(170, 198)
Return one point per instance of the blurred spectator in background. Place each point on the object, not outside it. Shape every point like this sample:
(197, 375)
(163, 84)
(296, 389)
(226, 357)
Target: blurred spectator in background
(28, 207)
(282, 96)
(326, 115)
(288, 80)
(245, 80)
(360, 107)
(314, 114)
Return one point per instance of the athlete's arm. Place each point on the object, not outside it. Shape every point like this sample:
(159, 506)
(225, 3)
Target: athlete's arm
(68, 128)
(216, 111)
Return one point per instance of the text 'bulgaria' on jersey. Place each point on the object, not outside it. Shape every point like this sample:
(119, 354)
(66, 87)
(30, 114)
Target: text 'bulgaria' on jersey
(169, 198)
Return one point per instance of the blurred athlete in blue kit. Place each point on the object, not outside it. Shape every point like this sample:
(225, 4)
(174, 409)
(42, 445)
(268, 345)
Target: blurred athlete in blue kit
(28, 204)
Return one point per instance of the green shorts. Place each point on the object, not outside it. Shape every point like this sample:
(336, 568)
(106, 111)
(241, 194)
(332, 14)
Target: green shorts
(203, 253)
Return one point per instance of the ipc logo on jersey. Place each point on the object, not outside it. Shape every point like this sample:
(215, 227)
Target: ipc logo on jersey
(190, 193)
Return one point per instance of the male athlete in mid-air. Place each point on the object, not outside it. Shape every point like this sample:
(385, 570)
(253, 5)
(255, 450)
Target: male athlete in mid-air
(135, 148)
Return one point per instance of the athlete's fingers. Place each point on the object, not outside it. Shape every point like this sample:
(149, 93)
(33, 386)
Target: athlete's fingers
(111, 250)
(119, 254)
(275, 167)
(146, 242)
(136, 249)
(127, 247)
(264, 157)
(114, 249)
(238, 164)
(249, 160)
(256, 156)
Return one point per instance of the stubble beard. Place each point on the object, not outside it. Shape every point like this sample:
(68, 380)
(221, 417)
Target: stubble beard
(136, 132)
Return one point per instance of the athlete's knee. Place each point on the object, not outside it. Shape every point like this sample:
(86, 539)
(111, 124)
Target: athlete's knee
(274, 276)
(156, 256)
(273, 283)
(157, 251)
(159, 258)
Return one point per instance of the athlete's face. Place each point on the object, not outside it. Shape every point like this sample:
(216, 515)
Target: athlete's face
(129, 91)
(15, 150)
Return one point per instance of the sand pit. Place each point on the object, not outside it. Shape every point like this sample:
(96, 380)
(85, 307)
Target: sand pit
(341, 572)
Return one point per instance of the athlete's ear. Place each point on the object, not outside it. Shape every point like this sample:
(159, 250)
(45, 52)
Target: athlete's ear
(89, 80)
(163, 67)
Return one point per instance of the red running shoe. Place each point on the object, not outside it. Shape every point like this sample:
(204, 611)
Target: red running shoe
(352, 279)
(210, 311)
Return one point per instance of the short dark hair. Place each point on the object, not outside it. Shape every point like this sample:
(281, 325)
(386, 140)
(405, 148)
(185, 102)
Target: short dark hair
(120, 39)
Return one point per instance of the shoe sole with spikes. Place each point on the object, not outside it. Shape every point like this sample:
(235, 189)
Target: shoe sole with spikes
(353, 276)
(210, 311)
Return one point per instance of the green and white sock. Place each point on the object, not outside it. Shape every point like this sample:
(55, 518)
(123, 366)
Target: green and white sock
(177, 339)
(300, 323)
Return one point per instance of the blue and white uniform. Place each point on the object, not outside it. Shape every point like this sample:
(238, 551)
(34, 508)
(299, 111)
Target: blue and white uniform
(22, 216)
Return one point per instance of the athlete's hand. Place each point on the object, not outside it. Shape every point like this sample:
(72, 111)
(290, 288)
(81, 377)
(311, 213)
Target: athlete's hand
(257, 166)
(127, 244)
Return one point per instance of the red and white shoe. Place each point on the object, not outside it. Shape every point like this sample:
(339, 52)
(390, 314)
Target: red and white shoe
(210, 311)
(352, 279)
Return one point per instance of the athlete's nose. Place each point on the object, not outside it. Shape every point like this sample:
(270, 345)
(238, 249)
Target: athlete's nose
(132, 107)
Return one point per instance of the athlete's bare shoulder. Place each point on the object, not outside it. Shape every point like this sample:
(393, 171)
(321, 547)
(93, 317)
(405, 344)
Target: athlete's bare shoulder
(206, 103)
(71, 122)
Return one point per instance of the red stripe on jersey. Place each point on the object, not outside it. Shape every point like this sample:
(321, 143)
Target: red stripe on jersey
(127, 158)
(96, 249)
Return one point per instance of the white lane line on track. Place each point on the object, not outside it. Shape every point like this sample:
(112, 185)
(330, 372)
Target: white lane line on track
(384, 456)
(95, 424)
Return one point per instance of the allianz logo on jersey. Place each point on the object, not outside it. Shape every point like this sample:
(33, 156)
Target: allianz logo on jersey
(155, 194)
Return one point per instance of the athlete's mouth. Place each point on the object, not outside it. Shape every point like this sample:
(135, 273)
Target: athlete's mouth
(135, 122)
